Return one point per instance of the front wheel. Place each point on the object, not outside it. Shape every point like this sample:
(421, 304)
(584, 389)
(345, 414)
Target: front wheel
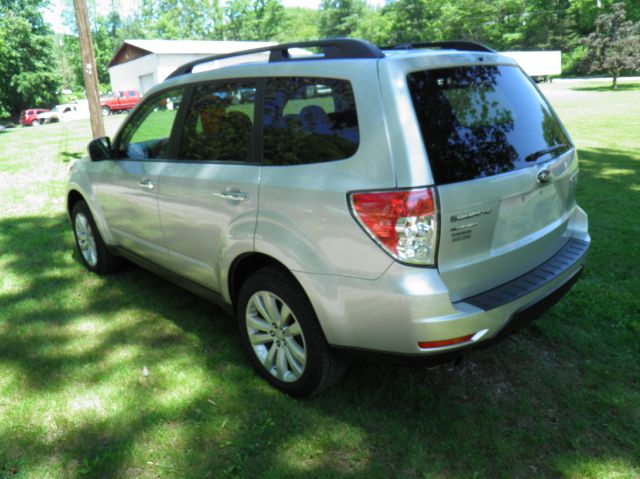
(106, 111)
(94, 252)
(282, 336)
(35, 123)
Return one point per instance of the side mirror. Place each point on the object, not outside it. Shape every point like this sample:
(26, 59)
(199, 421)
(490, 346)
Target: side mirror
(100, 149)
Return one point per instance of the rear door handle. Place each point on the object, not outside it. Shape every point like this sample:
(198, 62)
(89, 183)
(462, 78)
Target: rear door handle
(232, 195)
(146, 183)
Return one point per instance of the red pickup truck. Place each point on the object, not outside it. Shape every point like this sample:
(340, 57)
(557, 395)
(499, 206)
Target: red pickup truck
(119, 101)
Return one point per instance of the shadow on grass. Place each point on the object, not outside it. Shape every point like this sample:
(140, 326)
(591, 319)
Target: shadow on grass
(73, 345)
(50, 349)
(67, 156)
(621, 87)
(613, 182)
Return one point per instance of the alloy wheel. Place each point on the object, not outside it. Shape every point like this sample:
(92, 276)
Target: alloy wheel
(86, 240)
(276, 336)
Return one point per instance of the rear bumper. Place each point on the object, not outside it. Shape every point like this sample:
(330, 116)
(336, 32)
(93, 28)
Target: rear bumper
(405, 306)
(517, 321)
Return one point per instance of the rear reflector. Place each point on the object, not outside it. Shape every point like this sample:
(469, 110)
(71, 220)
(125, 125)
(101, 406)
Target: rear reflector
(445, 342)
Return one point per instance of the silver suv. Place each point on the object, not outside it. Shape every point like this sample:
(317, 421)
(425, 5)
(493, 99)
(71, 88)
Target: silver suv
(411, 202)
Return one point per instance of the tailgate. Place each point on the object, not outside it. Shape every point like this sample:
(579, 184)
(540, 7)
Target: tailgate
(498, 228)
(505, 169)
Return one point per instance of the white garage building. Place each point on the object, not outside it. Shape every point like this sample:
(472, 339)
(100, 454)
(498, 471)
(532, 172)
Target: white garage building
(140, 64)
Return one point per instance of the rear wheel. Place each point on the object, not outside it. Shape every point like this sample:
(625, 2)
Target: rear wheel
(94, 252)
(282, 336)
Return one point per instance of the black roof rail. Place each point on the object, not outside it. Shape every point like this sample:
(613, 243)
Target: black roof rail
(332, 48)
(453, 45)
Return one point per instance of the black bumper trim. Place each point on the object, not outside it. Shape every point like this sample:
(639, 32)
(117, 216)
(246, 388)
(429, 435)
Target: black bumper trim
(528, 314)
(515, 289)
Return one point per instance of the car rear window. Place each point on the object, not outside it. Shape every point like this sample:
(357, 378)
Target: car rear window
(479, 121)
(309, 120)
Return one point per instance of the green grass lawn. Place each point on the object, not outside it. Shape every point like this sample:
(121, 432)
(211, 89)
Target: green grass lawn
(559, 399)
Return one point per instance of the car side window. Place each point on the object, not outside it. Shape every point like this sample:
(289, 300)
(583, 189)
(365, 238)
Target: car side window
(146, 135)
(219, 123)
(309, 120)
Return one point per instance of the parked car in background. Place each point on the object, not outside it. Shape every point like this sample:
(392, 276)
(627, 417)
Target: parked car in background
(30, 117)
(119, 101)
(67, 112)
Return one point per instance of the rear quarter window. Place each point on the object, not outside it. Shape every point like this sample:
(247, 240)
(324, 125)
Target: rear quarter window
(309, 120)
(481, 121)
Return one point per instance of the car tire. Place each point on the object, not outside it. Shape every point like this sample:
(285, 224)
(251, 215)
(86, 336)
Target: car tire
(35, 123)
(106, 111)
(93, 251)
(288, 350)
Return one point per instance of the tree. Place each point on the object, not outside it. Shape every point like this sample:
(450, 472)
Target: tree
(413, 21)
(373, 26)
(340, 18)
(187, 19)
(27, 68)
(484, 22)
(552, 25)
(615, 45)
(258, 20)
(299, 24)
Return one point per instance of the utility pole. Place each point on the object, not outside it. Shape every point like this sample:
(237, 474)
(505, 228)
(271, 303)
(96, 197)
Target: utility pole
(89, 68)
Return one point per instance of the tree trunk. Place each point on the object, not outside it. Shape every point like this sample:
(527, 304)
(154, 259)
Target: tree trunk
(615, 81)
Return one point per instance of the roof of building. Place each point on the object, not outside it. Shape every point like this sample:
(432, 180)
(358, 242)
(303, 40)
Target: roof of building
(132, 49)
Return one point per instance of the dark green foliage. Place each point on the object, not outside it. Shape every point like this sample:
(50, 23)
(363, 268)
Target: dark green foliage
(340, 18)
(299, 24)
(253, 19)
(27, 71)
(188, 19)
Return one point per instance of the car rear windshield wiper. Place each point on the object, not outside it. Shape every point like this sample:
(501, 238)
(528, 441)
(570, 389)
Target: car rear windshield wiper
(534, 156)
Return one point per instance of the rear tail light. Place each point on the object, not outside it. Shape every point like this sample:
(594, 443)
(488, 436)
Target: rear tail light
(403, 222)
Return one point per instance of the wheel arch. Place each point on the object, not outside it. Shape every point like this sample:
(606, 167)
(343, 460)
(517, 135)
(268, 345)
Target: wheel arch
(73, 196)
(76, 194)
(247, 264)
(319, 367)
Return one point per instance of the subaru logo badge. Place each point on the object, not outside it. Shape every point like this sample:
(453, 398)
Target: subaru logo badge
(544, 175)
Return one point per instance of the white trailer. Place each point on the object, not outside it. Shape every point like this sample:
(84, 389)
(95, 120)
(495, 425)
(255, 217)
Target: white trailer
(540, 65)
